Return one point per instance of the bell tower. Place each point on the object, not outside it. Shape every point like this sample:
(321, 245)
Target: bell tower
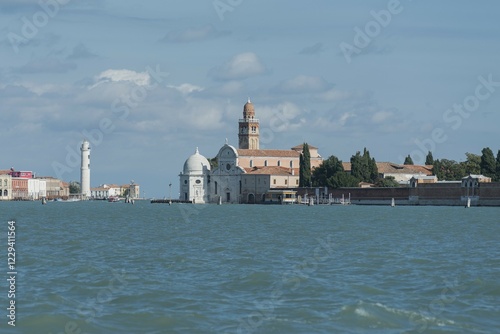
(248, 130)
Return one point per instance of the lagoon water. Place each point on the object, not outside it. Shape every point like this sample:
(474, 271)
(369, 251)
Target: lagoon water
(99, 267)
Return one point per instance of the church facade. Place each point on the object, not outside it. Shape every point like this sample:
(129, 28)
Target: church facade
(243, 175)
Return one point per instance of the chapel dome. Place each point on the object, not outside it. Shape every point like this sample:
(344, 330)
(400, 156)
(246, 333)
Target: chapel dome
(196, 163)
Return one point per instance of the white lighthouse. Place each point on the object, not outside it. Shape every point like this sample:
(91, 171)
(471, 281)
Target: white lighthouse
(85, 170)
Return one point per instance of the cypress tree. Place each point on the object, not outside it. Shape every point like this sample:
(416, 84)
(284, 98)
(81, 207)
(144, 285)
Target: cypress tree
(408, 160)
(488, 163)
(305, 167)
(498, 167)
(429, 159)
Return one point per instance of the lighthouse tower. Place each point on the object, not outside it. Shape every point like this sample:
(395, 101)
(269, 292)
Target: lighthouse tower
(85, 170)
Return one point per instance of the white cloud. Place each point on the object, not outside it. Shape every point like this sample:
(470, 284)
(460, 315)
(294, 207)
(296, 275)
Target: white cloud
(187, 88)
(138, 78)
(345, 117)
(241, 66)
(381, 116)
(333, 95)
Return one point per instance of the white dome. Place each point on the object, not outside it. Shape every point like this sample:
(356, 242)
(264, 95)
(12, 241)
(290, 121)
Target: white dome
(196, 164)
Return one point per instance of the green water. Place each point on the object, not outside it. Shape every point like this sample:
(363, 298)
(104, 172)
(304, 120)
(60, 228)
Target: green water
(98, 267)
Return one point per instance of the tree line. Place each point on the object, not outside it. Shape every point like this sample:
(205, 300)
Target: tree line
(331, 172)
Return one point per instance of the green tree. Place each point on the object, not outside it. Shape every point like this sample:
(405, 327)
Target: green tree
(498, 167)
(305, 167)
(448, 170)
(363, 167)
(340, 180)
(328, 168)
(408, 160)
(429, 159)
(214, 163)
(472, 165)
(387, 182)
(74, 187)
(373, 170)
(488, 163)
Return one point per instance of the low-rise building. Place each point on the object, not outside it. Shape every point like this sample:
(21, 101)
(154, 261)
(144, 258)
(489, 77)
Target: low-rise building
(37, 189)
(5, 186)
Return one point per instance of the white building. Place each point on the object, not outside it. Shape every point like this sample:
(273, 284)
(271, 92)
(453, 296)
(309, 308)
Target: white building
(85, 169)
(226, 178)
(37, 189)
(195, 178)
(5, 186)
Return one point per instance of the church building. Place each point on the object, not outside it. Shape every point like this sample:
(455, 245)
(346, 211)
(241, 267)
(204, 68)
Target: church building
(243, 175)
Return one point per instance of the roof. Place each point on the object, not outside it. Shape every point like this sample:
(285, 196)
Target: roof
(268, 153)
(392, 168)
(476, 176)
(300, 146)
(272, 170)
(5, 171)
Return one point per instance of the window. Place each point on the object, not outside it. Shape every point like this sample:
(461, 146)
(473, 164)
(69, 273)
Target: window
(274, 181)
(291, 163)
(297, 182)
(198, 181)
(216, 187)
(286, 182)
(185, 181)
(265, 163)
(251, 163)
(279, 163)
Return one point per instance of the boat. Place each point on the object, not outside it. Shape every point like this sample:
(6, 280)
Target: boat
(113, 199)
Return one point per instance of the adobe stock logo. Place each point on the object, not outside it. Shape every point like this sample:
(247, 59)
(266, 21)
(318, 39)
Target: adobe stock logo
(372, 29)
(30, 27)
(454, 117)
(223, 6)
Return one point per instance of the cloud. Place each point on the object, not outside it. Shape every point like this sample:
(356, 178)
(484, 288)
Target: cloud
(381, 116)
(81, 52)
(241, 66)
(124, 75)
(312, 50)
(302, 84)
(187, 88)
(197, 34)
(46, 65)
(227, 89)
(333, 95)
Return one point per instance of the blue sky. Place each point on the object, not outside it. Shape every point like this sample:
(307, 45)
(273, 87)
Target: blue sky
(149, 81)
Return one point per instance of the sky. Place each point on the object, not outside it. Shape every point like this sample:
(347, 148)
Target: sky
(146, 82)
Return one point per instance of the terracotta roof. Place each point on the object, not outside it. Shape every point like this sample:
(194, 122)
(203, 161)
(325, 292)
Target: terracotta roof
(390, 167)
(4, 171)
(269, 153)
(272, 170)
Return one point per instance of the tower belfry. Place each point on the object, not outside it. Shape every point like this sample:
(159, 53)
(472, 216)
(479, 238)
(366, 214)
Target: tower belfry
(248, 129)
